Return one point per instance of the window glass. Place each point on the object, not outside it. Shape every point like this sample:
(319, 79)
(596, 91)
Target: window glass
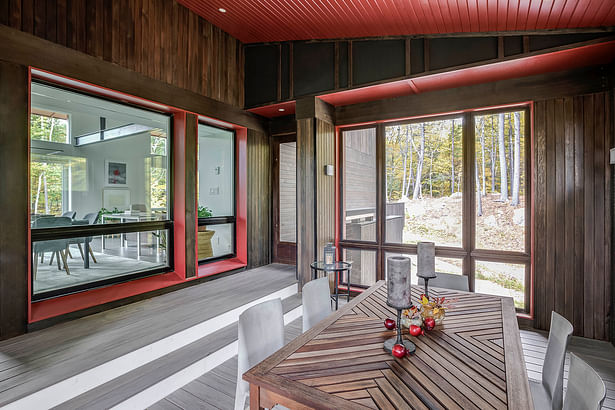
(500, 175)
(502, 279)
(424, 182)
(90, 155)
(288, 192)
(64, 263)
(363, 271)
(359, 184)
(216, 184)
(215, 241)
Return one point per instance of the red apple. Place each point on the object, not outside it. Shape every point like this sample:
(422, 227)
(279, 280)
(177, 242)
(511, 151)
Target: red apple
(415, 330)
(399, 351)
(389, 324)
(429, 323)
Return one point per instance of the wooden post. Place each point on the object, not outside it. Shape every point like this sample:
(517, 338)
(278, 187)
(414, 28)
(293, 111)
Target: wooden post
(315, 190)
(14, 183)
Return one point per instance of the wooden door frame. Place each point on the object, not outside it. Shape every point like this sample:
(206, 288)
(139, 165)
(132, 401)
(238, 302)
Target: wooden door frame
(275, 206)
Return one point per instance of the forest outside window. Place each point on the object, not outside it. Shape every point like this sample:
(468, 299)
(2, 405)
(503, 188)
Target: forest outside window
(476, 214)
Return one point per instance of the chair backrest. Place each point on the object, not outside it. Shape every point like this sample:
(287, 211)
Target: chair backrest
(69, 214)
(448, 281)
(138, 207)
(586, 390)
(553, 368)
(92, 217)
(51, 222)
(260, 333)
(316, 302)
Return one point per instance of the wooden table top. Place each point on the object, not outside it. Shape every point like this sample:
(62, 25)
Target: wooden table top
(473, 360)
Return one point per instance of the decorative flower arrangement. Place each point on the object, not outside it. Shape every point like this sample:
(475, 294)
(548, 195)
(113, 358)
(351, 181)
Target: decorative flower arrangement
(434, 308)
(411, 316)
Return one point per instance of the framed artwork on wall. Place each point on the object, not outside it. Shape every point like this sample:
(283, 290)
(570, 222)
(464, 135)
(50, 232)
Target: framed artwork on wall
(115, 173)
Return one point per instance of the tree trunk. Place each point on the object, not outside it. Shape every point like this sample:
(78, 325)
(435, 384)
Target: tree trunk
(482, 150)
(479, 199)
(419, 166)
(403, 178)
(38, 191)
(510, 151)
(53, 123)
(452, 156)
(410, 171)
(430, 173)
(45, 192)
(503, 167)
(492, 152)
(517, 160)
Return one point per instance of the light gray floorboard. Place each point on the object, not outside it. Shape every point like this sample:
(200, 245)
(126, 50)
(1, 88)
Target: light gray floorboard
(600, 355)
(36, 360)
(218, 385)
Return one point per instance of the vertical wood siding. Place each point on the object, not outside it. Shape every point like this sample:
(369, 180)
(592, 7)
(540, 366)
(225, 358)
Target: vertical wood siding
(158, 38)
(325, 186)
(259, 199)
(572, 249)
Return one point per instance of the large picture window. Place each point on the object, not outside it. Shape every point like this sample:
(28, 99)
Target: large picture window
(459, 181)
(99, 191)
(216, 193)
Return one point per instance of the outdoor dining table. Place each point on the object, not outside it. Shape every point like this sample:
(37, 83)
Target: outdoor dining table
(472, 360)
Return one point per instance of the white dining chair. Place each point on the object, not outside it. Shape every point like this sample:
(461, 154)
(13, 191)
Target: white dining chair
(548, 393)
(316, 302)
(586, 390)
(448, 281)
(260, 333)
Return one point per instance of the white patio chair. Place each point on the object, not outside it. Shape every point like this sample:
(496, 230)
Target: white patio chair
(586, 390)
(448, 281)
(548, 393)
(316, 302)
(260, 333)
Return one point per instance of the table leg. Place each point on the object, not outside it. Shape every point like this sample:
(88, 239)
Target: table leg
(86, 257)
(348, 285)
(255, 397)
(337, 288)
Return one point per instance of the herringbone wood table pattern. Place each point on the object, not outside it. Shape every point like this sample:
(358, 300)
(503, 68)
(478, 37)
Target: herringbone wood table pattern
(472, 361)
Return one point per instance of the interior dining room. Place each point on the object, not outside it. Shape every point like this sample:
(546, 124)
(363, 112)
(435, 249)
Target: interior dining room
(354, 204)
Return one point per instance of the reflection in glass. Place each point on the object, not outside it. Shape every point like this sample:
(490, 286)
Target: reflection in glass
(215, 241)
(359, 184)
(90, 155)
(65, 263)
(500, 176)
(424, 182)
(501, 279)
(363, 266)
(216, 173)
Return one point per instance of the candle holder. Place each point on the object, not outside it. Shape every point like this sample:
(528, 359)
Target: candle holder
(426, 263)
(398, 339)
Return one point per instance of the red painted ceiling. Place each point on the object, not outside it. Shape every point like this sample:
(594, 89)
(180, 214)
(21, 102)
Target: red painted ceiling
(254, 21)
(601, 53)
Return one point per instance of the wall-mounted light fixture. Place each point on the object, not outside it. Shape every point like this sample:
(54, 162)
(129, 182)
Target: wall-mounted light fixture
(329, 170)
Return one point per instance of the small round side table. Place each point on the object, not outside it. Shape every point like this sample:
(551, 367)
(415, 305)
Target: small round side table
(337, 268)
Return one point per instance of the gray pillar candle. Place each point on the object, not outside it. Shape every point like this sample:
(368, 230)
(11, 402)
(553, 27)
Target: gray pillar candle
(426, 266)
(399, 293)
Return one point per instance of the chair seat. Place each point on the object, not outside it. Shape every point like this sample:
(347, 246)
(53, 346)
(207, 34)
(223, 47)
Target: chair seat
(540, 396)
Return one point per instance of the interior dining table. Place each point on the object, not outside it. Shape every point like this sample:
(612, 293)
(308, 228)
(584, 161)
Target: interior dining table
(472, 360)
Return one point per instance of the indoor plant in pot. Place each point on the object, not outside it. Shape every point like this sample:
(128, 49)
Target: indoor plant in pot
(204, 235)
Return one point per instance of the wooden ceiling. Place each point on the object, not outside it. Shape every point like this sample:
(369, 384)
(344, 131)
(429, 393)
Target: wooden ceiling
(285, 20)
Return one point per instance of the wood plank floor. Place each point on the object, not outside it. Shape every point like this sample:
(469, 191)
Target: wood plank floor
(600, 355)
(216, 389)
(39, 359)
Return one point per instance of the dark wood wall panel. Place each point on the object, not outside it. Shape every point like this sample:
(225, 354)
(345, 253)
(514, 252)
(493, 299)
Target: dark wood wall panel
(13, 202)
(305, 198)
(572, 256)
(259, 199)
(325, 186)
(158, 38)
